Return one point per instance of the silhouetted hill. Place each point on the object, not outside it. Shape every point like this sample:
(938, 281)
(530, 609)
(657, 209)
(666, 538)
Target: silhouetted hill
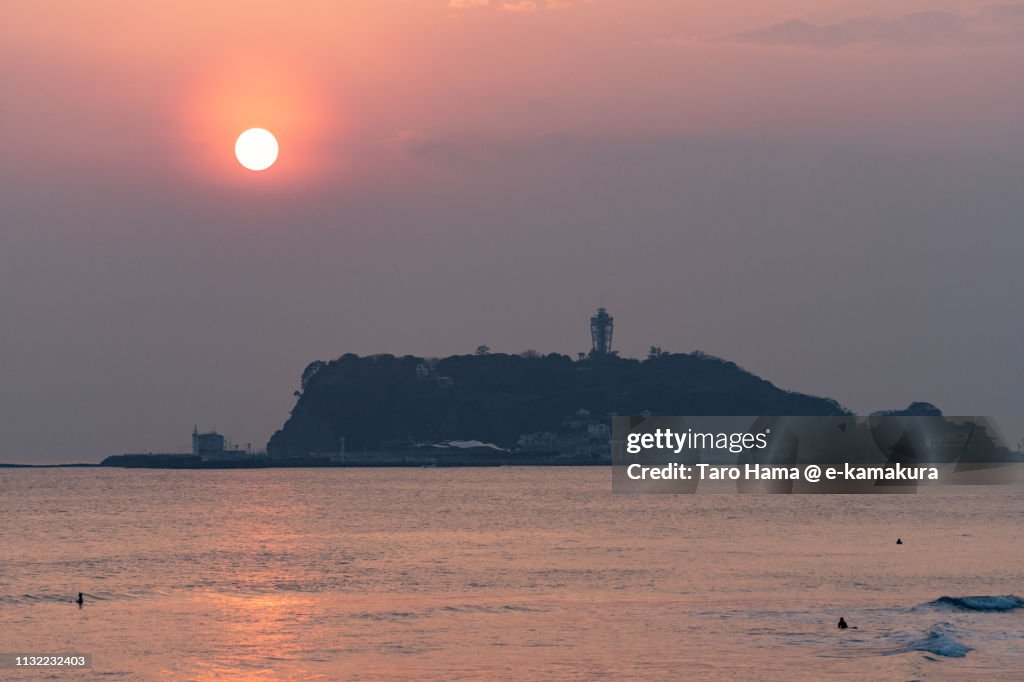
(377, 401)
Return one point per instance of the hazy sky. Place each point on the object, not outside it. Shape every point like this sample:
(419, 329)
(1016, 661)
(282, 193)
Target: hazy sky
(828, 192)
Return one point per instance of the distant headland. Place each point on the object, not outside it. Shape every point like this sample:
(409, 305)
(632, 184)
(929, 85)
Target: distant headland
(493, 409)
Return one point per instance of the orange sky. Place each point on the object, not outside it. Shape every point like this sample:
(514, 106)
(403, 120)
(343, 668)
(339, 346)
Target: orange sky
(123, 80)
(458, 173)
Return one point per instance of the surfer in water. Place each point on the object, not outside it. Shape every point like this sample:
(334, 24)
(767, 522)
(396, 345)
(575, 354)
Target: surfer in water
(842, 623)
(80, 600)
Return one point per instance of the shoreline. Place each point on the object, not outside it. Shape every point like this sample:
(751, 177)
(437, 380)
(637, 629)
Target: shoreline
(305, 465)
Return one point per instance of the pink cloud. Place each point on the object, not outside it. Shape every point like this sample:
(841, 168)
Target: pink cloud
(994, 24)
(521, 6)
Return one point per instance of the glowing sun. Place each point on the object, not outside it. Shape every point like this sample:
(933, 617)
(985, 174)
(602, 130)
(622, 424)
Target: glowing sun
(256, 149)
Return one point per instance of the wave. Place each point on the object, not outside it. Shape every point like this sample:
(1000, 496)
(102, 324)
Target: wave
(940, 644)
(483, 608)
(42, 598)
(14, 599)
(34, 598)
(1007, 602)
(938, 640)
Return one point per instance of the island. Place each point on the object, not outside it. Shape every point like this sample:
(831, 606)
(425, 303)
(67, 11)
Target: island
(493, 409)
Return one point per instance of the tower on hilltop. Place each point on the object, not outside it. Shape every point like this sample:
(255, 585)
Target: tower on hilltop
(601, 327)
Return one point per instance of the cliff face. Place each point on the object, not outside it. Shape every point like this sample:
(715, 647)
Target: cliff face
(381, 399)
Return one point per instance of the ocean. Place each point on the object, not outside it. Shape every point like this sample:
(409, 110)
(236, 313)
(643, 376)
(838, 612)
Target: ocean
(510, 573)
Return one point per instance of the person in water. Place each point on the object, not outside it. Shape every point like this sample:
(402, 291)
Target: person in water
(80, 600)
(842, 623)
(899, 541)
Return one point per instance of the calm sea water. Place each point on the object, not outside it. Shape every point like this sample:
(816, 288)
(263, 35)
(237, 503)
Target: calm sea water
(500, 573)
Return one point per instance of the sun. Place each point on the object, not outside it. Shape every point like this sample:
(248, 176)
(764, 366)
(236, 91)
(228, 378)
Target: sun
(256, 149)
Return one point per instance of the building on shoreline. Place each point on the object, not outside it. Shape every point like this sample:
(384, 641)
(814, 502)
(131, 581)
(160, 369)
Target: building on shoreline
(212, 447)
